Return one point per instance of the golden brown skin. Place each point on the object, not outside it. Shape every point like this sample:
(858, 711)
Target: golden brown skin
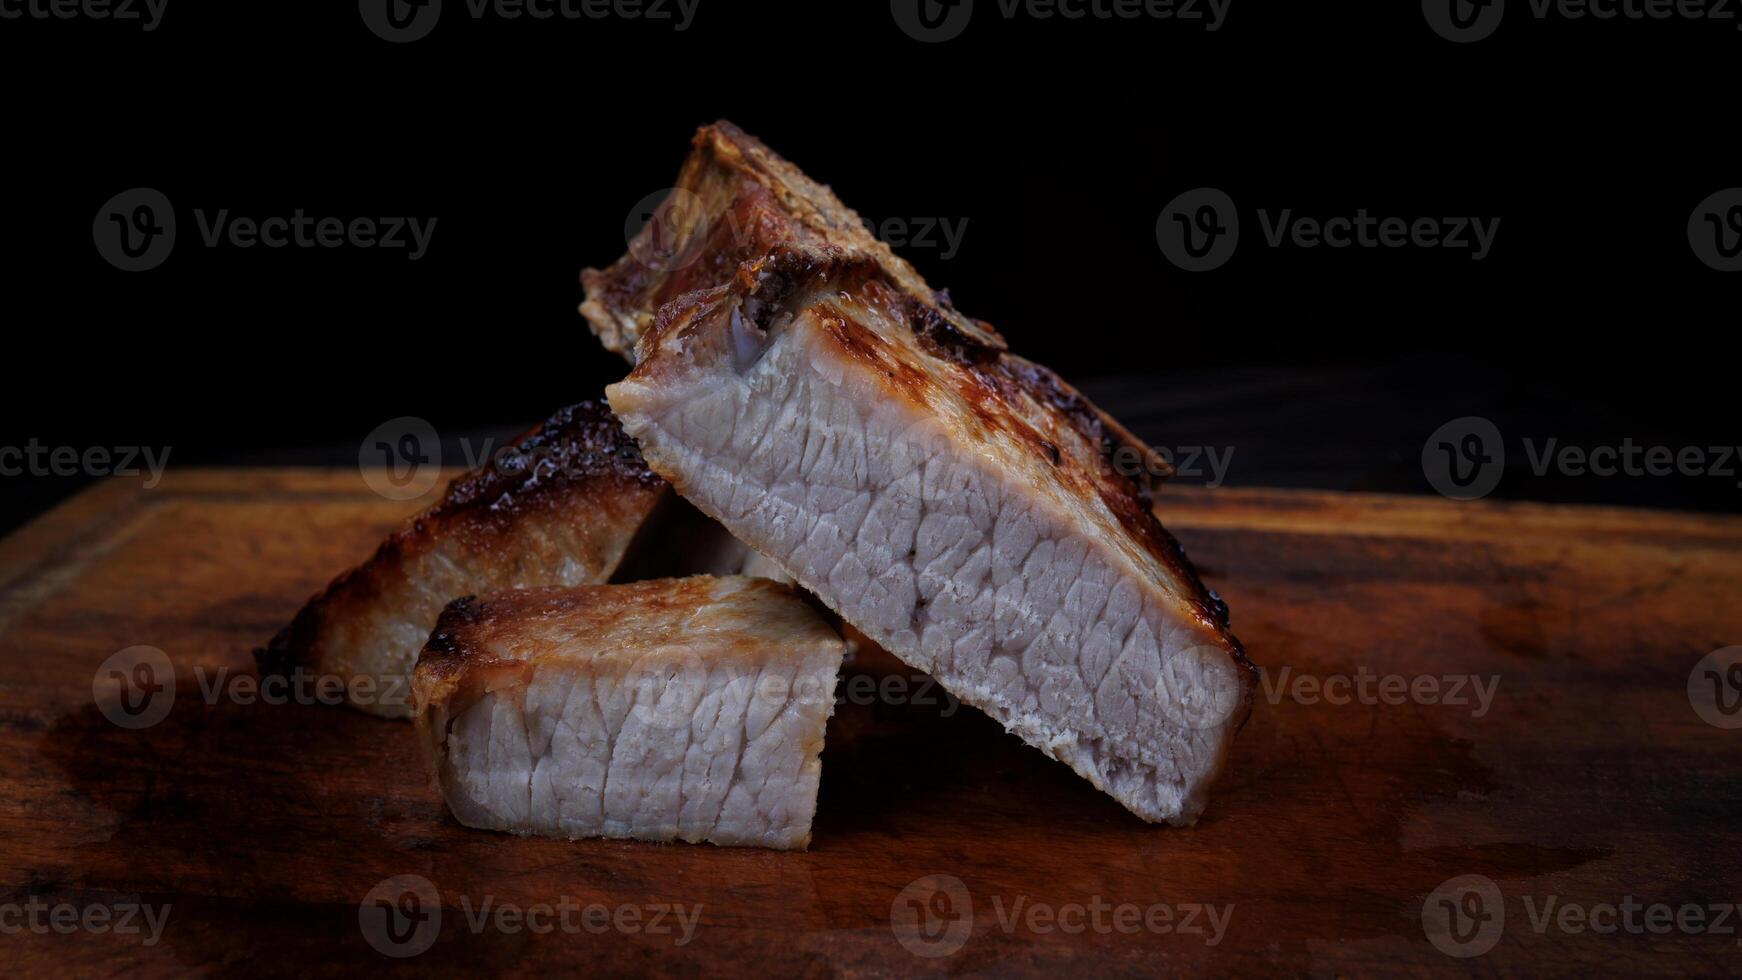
(560, 508)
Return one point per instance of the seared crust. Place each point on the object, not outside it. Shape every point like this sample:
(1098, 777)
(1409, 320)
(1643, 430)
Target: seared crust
(618, 621)
(566, 495)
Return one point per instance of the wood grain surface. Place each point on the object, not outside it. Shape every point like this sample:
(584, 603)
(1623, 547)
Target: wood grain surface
(1585, 779)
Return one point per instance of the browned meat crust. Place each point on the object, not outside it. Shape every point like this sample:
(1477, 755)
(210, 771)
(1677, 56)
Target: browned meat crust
(562, 503)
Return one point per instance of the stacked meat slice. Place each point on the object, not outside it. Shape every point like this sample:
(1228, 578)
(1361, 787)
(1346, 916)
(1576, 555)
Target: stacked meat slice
(961, 506)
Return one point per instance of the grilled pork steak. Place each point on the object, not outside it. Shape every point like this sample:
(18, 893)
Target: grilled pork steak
(561, 508)
(961, 506)
(679, 709)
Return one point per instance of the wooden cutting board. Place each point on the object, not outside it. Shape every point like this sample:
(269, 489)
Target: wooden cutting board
(1585, 778)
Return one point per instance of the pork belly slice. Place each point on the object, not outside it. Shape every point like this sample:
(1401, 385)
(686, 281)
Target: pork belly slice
(956, 504)
(677, 709)
(563, 508)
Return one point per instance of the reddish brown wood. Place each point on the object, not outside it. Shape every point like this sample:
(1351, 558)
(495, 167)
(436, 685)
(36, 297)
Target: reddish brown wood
(1590, 778)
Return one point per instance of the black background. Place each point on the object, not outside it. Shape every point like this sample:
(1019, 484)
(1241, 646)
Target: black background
(1058, 141)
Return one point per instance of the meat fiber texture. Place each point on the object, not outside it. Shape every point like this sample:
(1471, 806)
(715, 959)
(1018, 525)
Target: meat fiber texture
(964, 508)
(679, 709)
(563, 507)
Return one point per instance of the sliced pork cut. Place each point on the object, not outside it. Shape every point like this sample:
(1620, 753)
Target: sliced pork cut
(964, 508)
(679, 709)
(561, 507)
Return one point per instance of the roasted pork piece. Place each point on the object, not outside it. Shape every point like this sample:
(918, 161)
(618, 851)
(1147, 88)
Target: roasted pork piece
(678, 709)
(567, 504)
(963, 507)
